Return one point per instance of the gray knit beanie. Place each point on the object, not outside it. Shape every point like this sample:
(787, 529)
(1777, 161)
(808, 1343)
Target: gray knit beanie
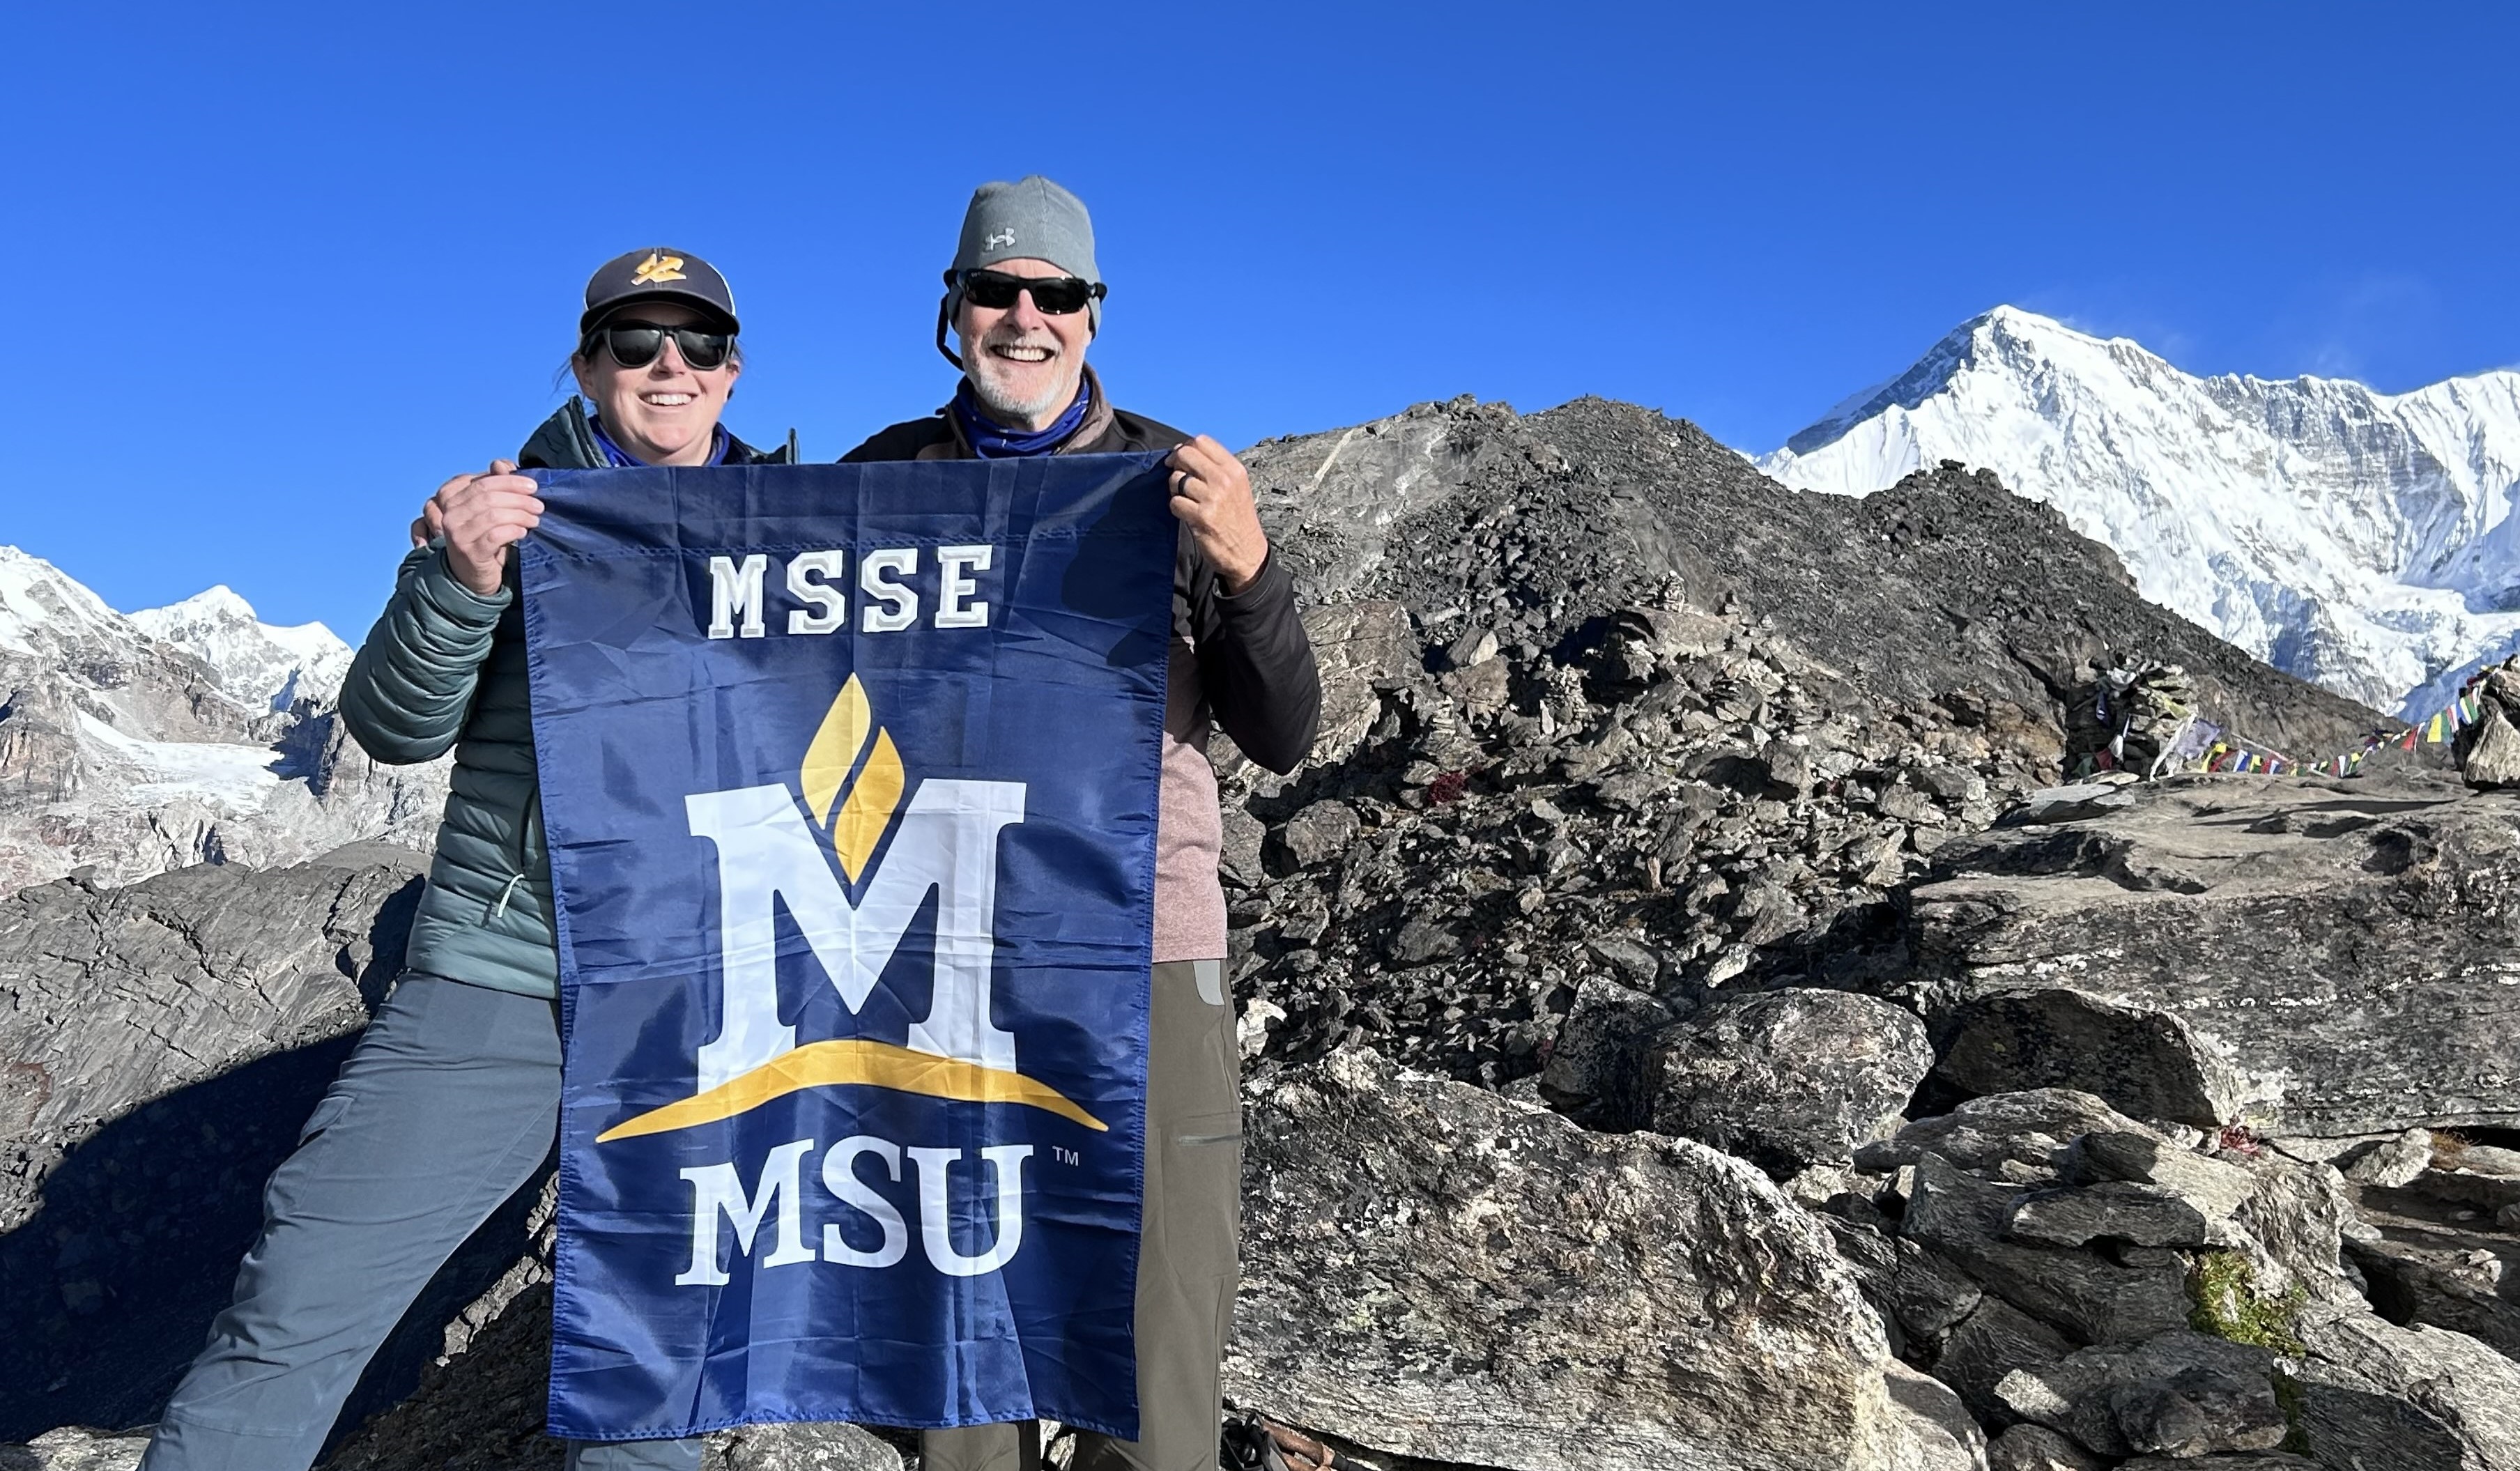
(1029, 220)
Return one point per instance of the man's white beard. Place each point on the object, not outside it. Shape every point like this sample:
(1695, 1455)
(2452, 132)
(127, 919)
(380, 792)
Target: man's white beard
(1011, 411)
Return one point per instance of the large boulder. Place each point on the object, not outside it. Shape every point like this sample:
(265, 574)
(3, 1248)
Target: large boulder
(1432, 1271)
(2310, 956)
(1787, 1080)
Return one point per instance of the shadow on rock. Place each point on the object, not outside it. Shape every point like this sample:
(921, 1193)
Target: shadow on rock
(108, 1291)
(109, 1288)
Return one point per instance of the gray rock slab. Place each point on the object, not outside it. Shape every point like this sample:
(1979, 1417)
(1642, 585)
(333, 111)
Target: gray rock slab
(75, 1448)
(1318, 834)
(2213, 1187)
(1927, 1292)
(2488, 1193)
(2391, 1162)
(2031, 1129)
(2492, 753)
(1993, 1341)
(2485, 1159)
(2424, 1264)
(2069, 804)
(1433, 1272)
(799, 1447)
(1362, 648)
(2116, 1210)
(2145, 1060)
(1787, 1080)
(2418, 1398)
(160, 1046)
(2317, 957)
(2087, 1296)
(1596, 1066)
(2181, 1394)
(115, 998)
(1926, 1428)
(2036, 1448)
(1920, 1296)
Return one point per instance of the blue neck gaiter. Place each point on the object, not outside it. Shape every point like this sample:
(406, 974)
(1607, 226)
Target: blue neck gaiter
(617, 457)
(992, 441)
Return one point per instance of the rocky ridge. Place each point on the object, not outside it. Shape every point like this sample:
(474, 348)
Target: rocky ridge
(1588, 711)
(1662, 937)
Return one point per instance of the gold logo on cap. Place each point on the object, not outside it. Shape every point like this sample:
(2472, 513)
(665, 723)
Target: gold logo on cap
(658, 266)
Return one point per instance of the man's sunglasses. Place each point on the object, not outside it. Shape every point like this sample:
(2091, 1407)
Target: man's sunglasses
(635, 344)
(1056, 296)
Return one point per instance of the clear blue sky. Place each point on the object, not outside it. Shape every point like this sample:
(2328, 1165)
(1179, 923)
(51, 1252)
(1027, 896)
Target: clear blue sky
(278, 273)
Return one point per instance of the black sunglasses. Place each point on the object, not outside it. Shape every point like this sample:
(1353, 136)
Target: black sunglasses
(1056, 296)
(635, 344)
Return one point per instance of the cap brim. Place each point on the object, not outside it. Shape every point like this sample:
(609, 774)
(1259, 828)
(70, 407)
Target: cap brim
(717, 315)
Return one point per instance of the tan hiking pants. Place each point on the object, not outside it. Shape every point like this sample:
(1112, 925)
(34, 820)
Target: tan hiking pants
(1188, 1255)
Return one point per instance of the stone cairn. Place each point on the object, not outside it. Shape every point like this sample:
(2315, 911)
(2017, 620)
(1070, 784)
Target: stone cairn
(2489, 747)
(2131, 716)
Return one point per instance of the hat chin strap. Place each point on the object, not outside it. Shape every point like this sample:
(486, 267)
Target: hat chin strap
(944, 319)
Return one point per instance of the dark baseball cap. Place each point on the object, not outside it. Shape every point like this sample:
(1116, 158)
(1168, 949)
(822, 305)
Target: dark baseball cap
(657, 274)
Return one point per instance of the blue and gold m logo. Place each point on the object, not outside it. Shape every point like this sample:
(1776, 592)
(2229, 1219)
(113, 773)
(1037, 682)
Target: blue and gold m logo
(944, 841)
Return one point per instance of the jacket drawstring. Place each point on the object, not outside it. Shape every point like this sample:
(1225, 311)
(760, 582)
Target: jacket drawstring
(524, 842)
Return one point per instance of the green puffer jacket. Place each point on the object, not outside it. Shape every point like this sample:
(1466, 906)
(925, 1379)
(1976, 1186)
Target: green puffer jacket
(444, 667)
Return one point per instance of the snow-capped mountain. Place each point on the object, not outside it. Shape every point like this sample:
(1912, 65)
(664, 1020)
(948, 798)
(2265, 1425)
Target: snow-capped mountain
(2360, 540)
(190, 734)
(257, 661)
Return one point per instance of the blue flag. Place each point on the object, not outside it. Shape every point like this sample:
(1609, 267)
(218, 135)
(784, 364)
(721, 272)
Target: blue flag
(849, 777)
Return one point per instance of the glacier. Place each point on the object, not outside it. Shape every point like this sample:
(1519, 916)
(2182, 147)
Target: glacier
(2360, 540)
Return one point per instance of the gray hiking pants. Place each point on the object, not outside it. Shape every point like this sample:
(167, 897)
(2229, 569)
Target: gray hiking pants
(449, 1103)
(1190, 1261)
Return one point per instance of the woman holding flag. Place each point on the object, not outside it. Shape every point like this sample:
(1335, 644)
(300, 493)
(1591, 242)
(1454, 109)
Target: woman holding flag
(450, 1103)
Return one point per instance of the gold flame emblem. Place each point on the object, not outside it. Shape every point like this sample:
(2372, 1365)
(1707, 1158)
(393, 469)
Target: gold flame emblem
(658, 266)
(857, 823)
(852, 780)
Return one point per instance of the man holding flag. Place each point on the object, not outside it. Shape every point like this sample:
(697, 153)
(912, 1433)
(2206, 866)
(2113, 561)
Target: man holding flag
(1025, 298)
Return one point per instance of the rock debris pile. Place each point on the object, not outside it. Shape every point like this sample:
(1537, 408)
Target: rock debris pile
(1686, 1024)
(1694, 805)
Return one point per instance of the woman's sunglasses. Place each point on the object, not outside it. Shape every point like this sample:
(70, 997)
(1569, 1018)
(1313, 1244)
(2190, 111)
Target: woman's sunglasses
(1056, 296)
(635, 344)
